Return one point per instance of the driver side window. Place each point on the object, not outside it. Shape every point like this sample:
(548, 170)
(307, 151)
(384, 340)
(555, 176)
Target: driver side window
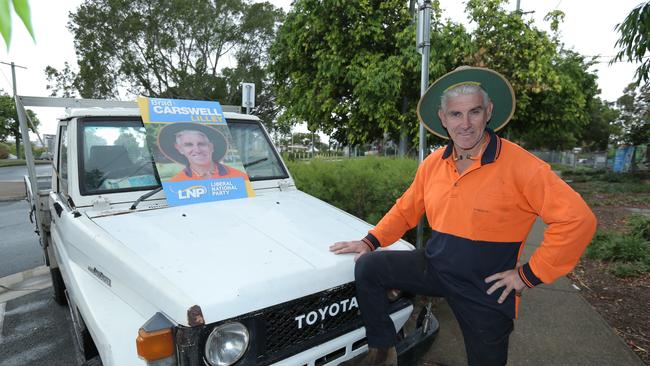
(62, 165)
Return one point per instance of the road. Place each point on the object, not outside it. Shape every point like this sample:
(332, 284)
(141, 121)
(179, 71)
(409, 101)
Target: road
(35, 331)
(19, 247)
(16, 173)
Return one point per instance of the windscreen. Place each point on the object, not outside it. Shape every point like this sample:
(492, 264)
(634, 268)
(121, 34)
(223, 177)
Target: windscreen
(256, 152)
(116, 157)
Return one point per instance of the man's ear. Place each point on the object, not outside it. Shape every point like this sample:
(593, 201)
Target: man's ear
(442, 117)
(490, 107)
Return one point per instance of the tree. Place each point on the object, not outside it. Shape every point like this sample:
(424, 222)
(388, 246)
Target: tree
(602, 114)
(171, 49)
(634, 118)
(634, 41)
(552, 85)
(9, 126)
(346, 68)
(358, 75)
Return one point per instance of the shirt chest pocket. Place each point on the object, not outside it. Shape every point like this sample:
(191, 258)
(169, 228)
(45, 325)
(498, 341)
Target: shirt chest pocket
(493, 213)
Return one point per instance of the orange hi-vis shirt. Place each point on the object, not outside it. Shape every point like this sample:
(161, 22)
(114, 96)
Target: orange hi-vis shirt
(481, 218)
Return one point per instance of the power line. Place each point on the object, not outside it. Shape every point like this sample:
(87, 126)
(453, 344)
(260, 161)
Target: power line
(5, 76)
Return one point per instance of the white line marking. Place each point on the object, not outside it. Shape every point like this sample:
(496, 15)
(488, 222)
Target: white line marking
(2, 318)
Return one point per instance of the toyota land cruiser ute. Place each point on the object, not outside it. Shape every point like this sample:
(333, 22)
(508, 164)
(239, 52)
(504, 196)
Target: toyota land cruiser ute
(237, 282)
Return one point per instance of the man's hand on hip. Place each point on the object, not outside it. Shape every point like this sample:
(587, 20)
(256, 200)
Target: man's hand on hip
(508, 279)
(355, 246)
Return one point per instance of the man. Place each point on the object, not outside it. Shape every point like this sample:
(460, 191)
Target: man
(199, 148)
(481, 195)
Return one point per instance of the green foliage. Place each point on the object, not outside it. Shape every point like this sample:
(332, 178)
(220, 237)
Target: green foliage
(634, 41)
(639, 225)
(9, 125)
(21, 7)
(4, 151)
(630, 252)
(616, 247)
(595, 136)
(349, 68)
(632, 269)
(366, 187)
(632, 126)
(172, 49)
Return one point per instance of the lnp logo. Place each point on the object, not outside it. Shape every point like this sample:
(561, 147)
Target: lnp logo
(191, 192)
(328, 311)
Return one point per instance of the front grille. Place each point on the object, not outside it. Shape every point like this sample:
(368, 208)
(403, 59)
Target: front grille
(295, 325)
(286, 329)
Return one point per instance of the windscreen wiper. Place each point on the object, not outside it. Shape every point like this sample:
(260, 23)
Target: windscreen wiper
(144, 197)
(247, 164)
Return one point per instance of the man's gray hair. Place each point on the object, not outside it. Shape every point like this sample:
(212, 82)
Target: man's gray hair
(180, 133)
(463, 89)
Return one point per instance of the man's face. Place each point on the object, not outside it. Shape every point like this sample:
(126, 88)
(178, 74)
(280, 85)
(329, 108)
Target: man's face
(196, 147)
(465, 119)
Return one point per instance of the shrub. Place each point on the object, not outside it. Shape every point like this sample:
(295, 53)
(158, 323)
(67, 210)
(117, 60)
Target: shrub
(629, 252)
(639, 225)
(618, 248)
(365, 187)
(631, 269)
(4, 150)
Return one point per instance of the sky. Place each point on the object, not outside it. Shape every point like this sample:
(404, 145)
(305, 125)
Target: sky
(588, 28)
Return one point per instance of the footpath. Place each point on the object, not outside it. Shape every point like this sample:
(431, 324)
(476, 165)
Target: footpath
(12, 191)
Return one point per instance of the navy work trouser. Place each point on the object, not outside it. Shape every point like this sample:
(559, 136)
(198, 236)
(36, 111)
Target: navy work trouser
(485, 331)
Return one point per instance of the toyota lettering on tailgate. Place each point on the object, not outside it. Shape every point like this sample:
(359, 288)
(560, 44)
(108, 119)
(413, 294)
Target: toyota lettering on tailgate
(328, 311)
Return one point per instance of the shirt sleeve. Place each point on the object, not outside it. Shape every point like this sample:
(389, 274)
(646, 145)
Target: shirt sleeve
(571, 226)
(404, 214)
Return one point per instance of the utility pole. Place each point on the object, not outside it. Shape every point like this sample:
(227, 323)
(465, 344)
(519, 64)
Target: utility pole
(423, 44)
(15, 88)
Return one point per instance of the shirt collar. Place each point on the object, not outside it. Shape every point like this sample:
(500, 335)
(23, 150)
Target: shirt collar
(490, 154)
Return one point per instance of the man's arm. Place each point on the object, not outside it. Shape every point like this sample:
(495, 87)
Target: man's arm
(571, 226)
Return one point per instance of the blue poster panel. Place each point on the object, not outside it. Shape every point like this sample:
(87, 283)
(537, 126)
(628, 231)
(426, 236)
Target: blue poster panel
(191, 144)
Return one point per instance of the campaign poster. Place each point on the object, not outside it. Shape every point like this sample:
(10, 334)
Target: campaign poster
(192, 149)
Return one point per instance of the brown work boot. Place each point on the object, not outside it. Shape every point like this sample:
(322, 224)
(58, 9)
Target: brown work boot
(374, 357)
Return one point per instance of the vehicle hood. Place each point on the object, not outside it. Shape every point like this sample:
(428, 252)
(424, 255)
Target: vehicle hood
(233, 257)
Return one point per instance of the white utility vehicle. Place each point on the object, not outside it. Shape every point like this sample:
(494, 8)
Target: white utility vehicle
(239, 282)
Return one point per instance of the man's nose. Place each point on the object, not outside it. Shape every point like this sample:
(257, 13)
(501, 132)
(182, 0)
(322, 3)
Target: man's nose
(466, 123)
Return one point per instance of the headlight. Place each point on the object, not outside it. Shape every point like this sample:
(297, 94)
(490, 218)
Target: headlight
(226, 344)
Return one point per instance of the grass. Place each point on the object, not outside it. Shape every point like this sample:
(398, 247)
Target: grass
(19, 162)
(629, 252)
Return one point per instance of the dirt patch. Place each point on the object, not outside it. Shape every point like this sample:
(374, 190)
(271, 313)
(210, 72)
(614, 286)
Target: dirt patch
(623, 302)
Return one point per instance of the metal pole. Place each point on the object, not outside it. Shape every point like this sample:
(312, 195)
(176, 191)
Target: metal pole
(13, 77)
(425, 13)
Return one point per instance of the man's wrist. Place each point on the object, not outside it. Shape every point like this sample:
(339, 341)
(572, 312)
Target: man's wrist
(368, 244)
(371, 241)
(527, 276)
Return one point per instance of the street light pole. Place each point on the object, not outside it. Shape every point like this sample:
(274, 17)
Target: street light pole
(424, 44)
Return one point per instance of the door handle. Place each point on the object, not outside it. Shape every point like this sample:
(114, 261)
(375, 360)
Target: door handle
(58, 208)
